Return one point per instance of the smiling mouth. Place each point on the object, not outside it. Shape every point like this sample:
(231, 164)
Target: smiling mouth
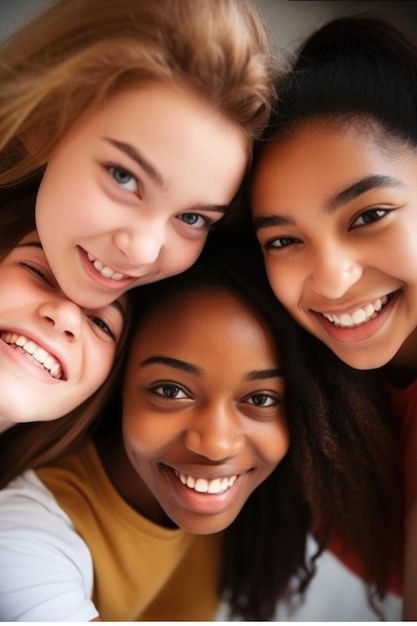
(35, 352)
(205, 485)
(104, 270)
(360, 316)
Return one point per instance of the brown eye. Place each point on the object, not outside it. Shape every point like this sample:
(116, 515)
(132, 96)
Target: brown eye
(169, 391)
(263, 400)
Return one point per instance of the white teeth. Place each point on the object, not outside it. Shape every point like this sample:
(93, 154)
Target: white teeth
(203, 485)
(105, 271)
(37, 353)
(358, 317)
(215, 486)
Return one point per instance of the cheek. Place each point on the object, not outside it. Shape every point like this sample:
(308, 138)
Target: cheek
(140, 434)
(281, 442)
(275, 444)
(139, 425)
(284, 286)
(182, 255)
(98, 365)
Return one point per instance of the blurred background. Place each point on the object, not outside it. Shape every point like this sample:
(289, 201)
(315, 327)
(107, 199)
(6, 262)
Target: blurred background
(289, 21)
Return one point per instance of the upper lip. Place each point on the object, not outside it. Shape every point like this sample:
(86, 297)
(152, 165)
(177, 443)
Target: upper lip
(351, 308)
(45, 344)
(206, 471)
(117, 270)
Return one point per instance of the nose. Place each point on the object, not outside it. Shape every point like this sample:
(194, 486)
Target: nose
(141, 244)
(215, 434)
(333, 272)
(64, 316)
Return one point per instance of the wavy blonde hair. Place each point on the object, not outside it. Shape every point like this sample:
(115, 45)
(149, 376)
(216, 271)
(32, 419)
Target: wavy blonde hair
(32, 444)
(67, 62)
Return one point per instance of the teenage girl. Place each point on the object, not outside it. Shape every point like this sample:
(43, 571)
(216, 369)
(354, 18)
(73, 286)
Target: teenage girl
(54, 355)
(136, 119)
(334, 204)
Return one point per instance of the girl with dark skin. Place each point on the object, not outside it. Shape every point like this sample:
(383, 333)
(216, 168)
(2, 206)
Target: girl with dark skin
(314, 484)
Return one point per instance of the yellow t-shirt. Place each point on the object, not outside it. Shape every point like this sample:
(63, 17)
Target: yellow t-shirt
(142, 571)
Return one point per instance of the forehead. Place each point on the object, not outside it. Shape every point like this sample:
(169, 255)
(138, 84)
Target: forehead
(356, 128)
(320, 155)
(202, 316)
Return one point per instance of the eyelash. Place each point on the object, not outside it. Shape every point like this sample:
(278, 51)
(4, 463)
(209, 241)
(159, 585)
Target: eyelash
(114, 169)
(172, 386)
(275, 400)
(38, 271)
(370, 212)
(35, 269)
(177, 388)
(208, 224)
(290, 241)
(101, 324)
(377, 213)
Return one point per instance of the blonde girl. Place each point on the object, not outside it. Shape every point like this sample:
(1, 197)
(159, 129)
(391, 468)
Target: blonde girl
(136, 119)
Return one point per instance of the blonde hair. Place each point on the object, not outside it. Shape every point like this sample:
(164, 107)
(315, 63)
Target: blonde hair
(68, 61)
(32, 444)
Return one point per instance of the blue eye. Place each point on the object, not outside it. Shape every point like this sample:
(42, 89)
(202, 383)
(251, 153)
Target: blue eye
(196, 221)
(124, 178)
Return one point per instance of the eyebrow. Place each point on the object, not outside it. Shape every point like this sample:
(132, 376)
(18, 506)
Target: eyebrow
(360, 187)
(34, 244)
(153, 173)
(348, 194)
(139, 159)
(171, 362)
(197, 371)
(266, 221)
(263, 374)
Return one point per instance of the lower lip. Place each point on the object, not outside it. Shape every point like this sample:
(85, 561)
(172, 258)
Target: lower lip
(204, 503)
(107, 283)
(358, 333)
(25, 362)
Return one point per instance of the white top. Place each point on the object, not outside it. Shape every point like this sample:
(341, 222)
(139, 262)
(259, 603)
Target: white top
(46, 568)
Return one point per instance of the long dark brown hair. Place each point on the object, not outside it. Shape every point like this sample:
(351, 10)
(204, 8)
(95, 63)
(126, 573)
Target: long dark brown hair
(340, 475)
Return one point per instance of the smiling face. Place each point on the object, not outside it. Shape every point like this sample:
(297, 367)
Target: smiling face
(128, 198)
(53, 355)
(203, 418)
(335, 209)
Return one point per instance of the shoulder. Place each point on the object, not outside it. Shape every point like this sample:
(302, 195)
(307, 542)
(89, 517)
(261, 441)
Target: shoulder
(46, 570)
